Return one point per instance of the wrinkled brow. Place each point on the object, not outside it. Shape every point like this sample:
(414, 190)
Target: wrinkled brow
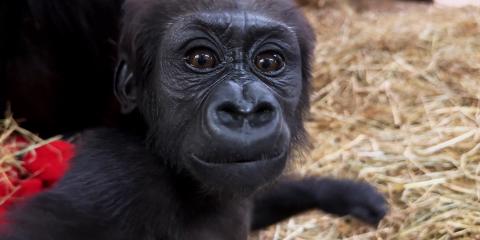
(224, 24)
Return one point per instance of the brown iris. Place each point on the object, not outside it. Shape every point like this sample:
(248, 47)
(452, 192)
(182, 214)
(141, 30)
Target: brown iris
(269, 62)
(201, 58)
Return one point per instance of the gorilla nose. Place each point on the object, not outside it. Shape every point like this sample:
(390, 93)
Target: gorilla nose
(236, 116)
(242, 117)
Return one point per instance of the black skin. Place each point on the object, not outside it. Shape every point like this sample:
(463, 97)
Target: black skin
(212, 124)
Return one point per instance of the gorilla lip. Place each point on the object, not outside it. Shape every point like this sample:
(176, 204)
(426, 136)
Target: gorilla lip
(224, 176)
(239, 162)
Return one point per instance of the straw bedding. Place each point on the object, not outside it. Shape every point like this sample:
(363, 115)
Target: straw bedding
(396, 102)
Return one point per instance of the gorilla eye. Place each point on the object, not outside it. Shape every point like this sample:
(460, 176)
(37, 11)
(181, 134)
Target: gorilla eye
(269, 62)
(201, 58)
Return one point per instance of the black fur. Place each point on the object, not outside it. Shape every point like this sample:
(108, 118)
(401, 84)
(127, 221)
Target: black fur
(116, 190)
(182, 167)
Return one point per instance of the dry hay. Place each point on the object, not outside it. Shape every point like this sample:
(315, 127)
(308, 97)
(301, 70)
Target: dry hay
(397, 103)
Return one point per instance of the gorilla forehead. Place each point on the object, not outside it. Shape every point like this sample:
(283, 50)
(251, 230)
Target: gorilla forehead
(234, 27)
(140, 12)
(242, 21)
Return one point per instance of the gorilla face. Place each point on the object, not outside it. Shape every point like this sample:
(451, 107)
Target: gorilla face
(234, 80)
(223, 97)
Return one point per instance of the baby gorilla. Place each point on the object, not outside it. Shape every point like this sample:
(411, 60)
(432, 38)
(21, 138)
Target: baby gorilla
(221, 87)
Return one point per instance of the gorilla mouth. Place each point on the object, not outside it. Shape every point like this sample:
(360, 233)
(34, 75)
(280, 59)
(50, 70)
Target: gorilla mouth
(238, 176)
(239, 162)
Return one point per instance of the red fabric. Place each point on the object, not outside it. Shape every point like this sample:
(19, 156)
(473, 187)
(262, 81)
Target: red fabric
(44, 165)
(29, 188)
(50, 162)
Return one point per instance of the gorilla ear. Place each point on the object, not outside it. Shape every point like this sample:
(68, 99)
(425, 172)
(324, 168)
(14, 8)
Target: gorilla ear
(125, 87)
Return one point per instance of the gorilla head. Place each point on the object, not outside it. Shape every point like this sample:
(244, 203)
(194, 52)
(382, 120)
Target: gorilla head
(221, 85)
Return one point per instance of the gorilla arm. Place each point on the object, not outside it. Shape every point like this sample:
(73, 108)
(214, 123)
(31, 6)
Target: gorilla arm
(340, 197)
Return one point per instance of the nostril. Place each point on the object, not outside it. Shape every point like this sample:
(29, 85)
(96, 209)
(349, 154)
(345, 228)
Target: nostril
(230, 115)
(228, 108)
(262, 114)
(263, 108)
